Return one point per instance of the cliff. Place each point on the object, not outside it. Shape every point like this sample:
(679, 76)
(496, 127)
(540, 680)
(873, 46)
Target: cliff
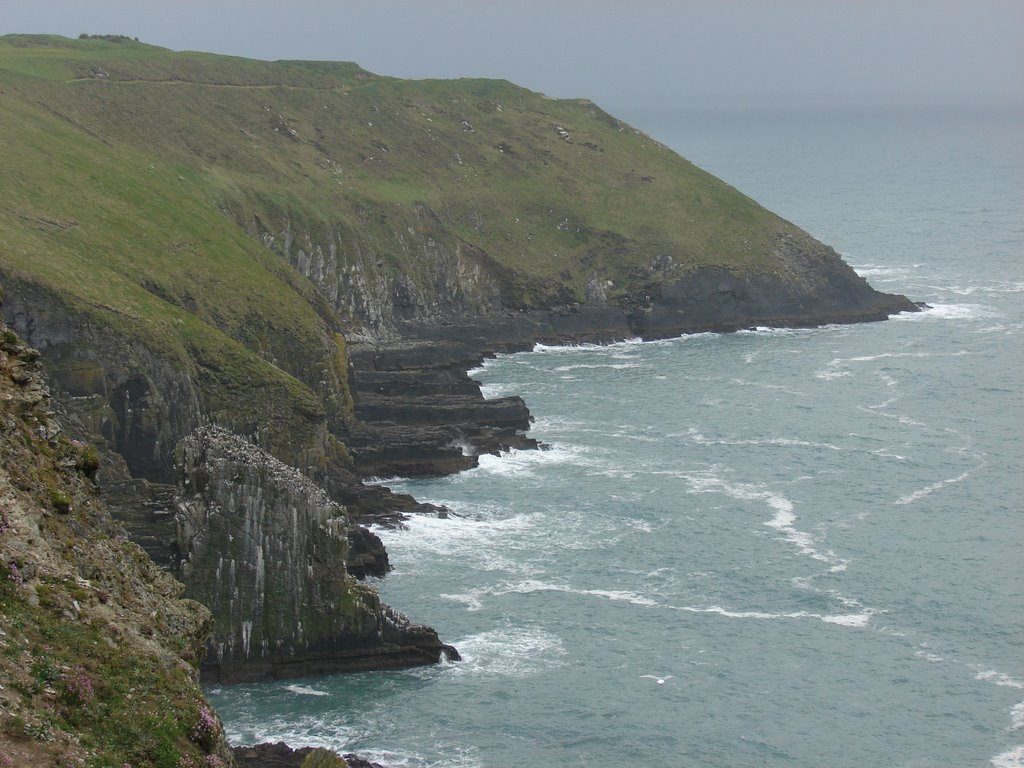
(309, 257)
(254, 284)
(220, 233)
(98, 649)
(265, 550)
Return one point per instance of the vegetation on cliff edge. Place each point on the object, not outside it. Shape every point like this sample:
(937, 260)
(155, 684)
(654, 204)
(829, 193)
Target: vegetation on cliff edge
(97, 650)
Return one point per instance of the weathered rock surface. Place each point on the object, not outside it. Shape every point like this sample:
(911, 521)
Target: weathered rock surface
(421, 414)
(98, 650)
(266, 550)
(133, 400)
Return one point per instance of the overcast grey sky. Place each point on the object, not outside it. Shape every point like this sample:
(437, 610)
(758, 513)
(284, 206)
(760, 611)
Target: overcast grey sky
(623, 55)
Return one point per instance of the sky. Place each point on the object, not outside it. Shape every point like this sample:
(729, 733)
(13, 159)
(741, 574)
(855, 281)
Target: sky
(626, 55)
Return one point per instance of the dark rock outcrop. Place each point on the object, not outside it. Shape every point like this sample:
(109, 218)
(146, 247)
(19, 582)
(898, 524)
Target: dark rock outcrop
(136, 402)
(266, 550)
(421, 414)
(280, 755)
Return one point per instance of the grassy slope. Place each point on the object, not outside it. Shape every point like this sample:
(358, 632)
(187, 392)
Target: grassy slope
(126, 168)
(325, 141)
(132, 241)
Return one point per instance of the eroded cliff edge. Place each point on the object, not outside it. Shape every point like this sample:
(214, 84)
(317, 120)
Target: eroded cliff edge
(98, 649)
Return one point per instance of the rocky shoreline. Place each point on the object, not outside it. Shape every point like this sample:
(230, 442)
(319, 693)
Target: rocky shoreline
(244, 340)
(258, 540)
(424, 415)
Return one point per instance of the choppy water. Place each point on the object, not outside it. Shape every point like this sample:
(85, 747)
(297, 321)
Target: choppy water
(816, 533)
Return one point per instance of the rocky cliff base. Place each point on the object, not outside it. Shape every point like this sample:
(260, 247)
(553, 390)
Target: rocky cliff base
(421, 413)
(280, 755)
(265, 549)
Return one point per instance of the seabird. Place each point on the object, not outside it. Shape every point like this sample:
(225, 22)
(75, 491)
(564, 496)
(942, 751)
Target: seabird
(660, 680)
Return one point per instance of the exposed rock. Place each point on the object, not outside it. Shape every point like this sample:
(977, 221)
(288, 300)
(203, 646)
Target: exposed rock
(280, 755)
(97, 647)
(366, 553)
(421, 414)
(135, 401)
(266, 550)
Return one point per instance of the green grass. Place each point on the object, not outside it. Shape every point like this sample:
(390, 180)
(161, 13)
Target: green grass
(137, 199)
(608, 177)
(134, 710)
(134, 243)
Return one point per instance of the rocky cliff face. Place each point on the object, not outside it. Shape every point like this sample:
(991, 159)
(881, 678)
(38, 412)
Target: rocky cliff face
(98, 650)
(442, 275)
(266, 551)
(137, 402)
(806, 284)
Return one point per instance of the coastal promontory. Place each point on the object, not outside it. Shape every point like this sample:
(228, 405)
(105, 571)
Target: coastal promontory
(241, 288)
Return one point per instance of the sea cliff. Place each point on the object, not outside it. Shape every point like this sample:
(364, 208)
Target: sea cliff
(254, 285)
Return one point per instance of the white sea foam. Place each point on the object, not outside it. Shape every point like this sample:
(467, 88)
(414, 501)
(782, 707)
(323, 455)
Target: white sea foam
(897, 355)
(888, 380)
(829, 374)
(492, 391)
(1011, 286)
(452, 757)
(471, 600)
(885, 453)
(948, 312)
(848, 620)
(999, 678)
(770, 387)
(1017, 717)
(595, 366)
(531, 585)
(839, 367)
(782, 521)
(305, 690)
(1010, 329)
(910, 498)
(546, 349)
(882, 405)
(508, 652)
(785, 442)
(478, 536)
(1013, 758)
(886, 270)
(855, 620)
(925, 652)
(898, 417)
(763, 330)
(526, 463)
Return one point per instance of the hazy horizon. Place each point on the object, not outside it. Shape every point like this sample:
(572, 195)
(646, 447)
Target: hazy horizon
(655, 54)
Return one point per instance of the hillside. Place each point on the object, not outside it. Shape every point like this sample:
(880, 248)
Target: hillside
(398, 199)
(219, 227)
(236, 269)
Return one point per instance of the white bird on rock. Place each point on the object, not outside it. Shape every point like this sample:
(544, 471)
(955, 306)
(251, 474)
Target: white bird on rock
(660, 680)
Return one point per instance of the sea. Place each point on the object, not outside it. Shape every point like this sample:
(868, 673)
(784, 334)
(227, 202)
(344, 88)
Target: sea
(773, 547)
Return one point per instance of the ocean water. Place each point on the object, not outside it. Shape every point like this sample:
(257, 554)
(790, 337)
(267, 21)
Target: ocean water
(817, 534)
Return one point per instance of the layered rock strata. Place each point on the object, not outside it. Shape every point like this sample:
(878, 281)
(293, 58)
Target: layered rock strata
(421, 414)
(266, 550)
